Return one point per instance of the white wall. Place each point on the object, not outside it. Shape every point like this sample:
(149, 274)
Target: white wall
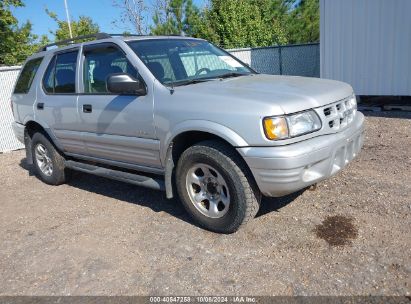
(367, 43)
(8, 141)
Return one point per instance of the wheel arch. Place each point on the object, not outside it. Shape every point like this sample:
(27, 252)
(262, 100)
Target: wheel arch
(188, 134)
(203, 127)
(31, 127)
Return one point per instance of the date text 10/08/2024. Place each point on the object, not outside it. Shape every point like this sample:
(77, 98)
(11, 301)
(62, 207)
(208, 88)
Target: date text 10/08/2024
(205, 299)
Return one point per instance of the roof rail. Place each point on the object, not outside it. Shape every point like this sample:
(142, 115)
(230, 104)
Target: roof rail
(96, 36)
(127, 35)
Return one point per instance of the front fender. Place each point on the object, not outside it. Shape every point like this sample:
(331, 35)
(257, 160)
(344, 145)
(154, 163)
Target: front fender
(202, 126)
(189, 126)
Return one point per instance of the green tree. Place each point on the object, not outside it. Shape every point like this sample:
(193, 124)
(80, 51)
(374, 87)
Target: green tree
(170, 17)
(304, 22)
(193, 21)
(242, 23)
(237, 23)
(84, 26)
(16, 42)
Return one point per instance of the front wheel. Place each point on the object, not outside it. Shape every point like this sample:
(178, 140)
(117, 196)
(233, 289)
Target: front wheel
(216, 187)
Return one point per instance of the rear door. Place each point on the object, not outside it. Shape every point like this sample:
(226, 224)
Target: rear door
(115, 127)
(56, 104)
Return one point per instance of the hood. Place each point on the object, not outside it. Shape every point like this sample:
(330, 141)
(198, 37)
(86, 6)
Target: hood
(289, 93)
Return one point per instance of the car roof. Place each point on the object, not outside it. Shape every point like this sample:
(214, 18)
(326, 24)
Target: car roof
(100, 38)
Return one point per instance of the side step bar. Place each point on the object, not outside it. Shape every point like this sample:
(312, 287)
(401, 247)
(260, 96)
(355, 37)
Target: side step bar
(138, 180)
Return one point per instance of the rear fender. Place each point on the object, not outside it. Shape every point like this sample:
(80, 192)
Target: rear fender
(46, 129)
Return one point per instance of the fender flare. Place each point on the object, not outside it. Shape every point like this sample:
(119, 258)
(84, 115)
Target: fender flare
(206, 126)
(193, 126)
(48, 131)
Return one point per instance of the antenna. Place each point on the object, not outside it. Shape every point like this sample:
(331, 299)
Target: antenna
(68, 19)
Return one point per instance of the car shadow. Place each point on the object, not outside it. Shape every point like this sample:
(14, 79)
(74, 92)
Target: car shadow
(155, 200)
(274, 204)
(29, 168)
(387, 114)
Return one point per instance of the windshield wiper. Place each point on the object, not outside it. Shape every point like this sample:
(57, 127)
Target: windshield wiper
(189, 81)
(231, 74)
(204, 79)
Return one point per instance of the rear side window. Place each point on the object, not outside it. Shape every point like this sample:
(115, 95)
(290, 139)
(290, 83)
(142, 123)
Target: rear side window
(27, 75)
(60, 76)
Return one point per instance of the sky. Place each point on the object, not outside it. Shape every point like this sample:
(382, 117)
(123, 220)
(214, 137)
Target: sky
(101, 11)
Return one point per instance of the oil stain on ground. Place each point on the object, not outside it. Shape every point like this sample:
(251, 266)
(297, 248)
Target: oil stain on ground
(337, 230)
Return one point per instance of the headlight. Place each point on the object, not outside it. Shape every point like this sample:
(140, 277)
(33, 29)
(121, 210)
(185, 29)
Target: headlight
(282, 127)
(302, 123)
(351, 103)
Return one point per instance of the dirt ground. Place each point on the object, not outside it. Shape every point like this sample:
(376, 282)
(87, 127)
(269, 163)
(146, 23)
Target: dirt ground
(93, 236)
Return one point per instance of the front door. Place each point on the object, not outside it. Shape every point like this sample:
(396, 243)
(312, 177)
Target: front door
(115, 127)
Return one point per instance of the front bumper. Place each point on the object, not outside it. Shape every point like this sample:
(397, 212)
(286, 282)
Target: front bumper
(282, 170)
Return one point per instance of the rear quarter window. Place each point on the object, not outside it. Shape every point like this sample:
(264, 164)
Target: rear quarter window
(60, 76)
(27, 75)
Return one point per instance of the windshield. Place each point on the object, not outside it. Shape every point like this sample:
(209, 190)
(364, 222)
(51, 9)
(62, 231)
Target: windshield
(185, 61)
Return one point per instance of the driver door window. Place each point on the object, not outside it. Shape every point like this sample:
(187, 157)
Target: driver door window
(99, 63)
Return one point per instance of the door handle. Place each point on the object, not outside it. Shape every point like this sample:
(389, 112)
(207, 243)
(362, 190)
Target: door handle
(40, 106)
(87, 108)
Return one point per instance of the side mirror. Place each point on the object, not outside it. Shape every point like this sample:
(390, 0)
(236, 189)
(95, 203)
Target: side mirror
(124, 84)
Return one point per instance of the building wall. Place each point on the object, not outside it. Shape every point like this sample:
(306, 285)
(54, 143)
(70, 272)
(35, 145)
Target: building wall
(367, 43)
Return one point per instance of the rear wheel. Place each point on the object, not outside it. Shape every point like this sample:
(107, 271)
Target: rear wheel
(216, 187)
(48, 162)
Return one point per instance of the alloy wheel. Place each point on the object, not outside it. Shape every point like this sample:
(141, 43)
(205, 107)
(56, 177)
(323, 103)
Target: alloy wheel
(208, 190)
(43, 159)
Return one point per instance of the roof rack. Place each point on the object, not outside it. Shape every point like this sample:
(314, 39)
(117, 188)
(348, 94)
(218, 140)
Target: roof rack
(126, 35)
(96, 36)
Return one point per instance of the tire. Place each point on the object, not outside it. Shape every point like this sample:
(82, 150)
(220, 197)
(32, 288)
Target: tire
(45, 155)
(220, 201)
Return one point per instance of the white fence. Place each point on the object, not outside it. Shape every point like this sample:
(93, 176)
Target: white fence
(8, 142)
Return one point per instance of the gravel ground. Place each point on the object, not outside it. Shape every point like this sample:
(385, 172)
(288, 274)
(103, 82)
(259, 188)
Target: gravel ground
(349, 236)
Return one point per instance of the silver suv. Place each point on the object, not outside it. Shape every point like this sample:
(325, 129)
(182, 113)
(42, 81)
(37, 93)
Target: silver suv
(184, 116)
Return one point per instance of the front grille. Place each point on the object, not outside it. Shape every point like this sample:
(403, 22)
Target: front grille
(338, 115)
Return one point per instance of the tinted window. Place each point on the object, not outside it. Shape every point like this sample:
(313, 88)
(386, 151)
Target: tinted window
(48, 80)
(102, 61)
(60, 76)
(27, 75)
